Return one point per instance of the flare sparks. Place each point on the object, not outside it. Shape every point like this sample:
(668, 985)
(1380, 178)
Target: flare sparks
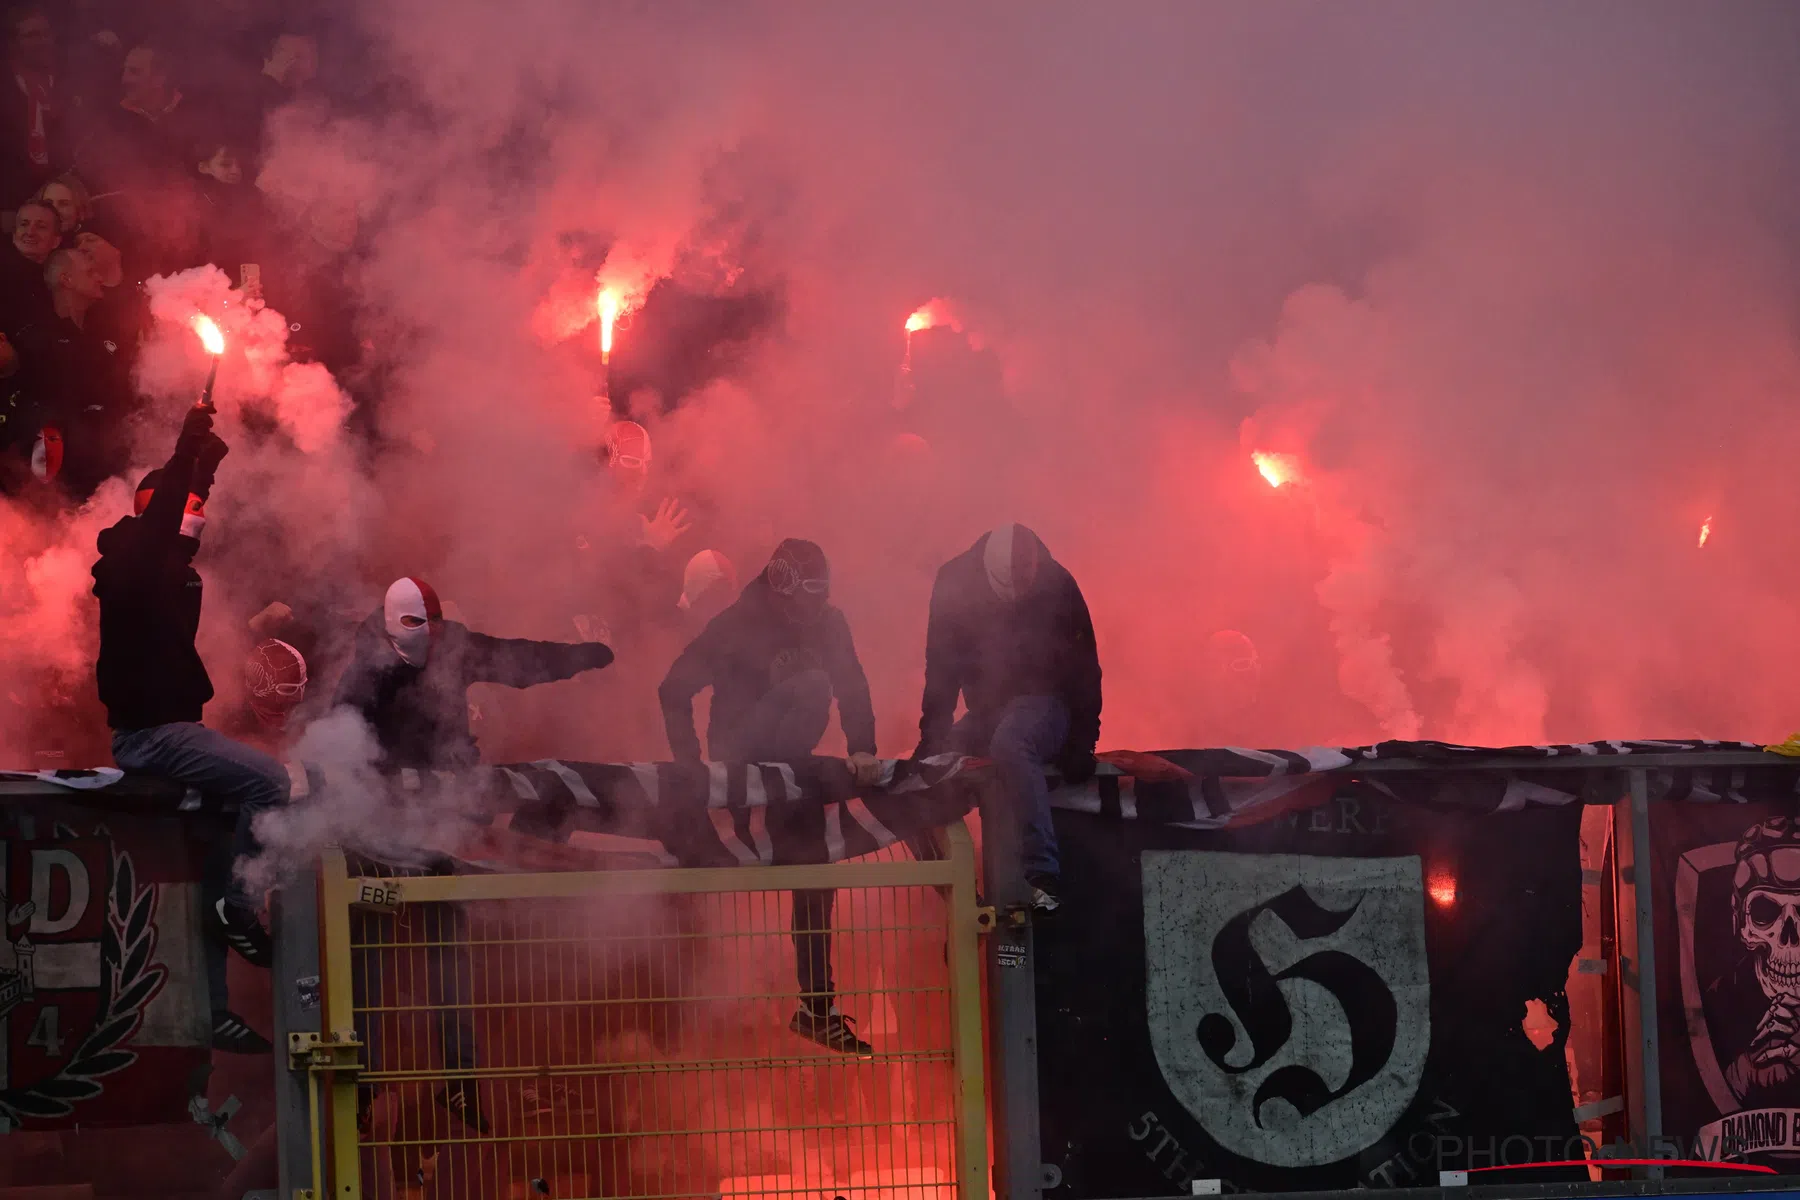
(1705, 532)
(1276, 469)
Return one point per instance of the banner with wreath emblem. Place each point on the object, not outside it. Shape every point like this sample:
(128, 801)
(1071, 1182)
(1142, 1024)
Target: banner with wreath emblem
(104, 1012)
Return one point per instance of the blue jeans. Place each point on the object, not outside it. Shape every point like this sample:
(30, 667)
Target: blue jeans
(1026, 735)
(228, 771)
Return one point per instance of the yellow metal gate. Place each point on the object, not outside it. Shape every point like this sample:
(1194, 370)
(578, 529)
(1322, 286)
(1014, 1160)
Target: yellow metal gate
(629, 1034)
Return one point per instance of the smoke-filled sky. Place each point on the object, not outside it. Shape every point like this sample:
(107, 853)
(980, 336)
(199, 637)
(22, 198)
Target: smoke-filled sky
(1515, 284)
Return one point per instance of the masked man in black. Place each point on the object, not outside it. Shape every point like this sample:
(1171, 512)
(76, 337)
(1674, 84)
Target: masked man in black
(154, 687)
(410, 682)
(1010, 633)
(774, 660)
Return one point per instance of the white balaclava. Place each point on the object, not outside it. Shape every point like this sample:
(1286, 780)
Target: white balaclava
(1014, 557)
(414, 617)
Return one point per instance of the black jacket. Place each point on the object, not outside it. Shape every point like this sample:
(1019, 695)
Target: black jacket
(149, 672)
(991, 652)
(748, 649)
(420, 715)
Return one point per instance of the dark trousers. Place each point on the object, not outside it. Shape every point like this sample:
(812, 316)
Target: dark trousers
(787, 724)
(442, 930)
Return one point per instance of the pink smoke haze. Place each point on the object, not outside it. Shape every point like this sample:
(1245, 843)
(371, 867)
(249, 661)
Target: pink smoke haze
(1517, 288)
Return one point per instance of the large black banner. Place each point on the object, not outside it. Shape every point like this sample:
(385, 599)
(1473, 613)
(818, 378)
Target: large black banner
(1333, 998)
(1728, 978)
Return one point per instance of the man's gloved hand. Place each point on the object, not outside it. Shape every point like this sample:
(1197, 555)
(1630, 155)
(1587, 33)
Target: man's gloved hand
(196, 427)
(1076, 766)
(212, 452)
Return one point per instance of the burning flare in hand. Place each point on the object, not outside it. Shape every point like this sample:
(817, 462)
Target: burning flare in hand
(607, 303)
(210, 337)
(214, 341)
(1276, 469)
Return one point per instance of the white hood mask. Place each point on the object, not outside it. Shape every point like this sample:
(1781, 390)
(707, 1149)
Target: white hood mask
(413, 617)
(1013, 557)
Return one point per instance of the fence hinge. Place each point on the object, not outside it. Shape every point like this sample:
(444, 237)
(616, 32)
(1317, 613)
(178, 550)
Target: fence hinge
(985, 919)
(323, 1052)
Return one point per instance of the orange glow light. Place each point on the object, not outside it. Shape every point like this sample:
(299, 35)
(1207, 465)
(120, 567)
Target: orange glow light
(1277, 469)
(1440, 885)
(1705, 531)
(921, 319)
(607, 303)
(210, 337)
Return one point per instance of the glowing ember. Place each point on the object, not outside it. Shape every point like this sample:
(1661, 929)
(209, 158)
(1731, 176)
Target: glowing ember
(1277, 469)
(607, 302)
(1440, 885)
(210, 337)
(1705, 531)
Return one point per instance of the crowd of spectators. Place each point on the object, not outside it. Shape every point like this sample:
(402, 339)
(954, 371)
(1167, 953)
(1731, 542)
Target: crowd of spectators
(127, 153)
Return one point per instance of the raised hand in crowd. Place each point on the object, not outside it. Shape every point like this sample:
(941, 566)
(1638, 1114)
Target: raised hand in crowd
(670, 522)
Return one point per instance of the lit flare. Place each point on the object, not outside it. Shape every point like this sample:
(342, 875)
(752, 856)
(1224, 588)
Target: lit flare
(607, 303)
(210, 337)
(1705, 532)
(1276, 469)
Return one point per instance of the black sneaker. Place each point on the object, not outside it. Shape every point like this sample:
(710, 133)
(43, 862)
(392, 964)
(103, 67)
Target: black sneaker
(230, 1034)
(459, 1101)
(832, 1031)
(1044, 890)
(238, 927)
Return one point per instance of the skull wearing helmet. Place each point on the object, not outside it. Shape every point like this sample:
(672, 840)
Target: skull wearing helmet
(1766, 903)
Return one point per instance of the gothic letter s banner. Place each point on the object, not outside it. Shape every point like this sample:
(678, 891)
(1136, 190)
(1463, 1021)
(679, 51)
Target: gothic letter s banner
(1728, 986)
(1333, 998)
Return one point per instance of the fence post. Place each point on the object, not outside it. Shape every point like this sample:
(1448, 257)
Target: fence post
(1644, 894)
(1012, 1000)
(294, 927)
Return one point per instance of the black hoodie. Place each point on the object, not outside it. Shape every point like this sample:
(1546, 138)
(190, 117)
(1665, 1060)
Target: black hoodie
(748, 649)
(149, 672)
(990, 651)
(420, 715)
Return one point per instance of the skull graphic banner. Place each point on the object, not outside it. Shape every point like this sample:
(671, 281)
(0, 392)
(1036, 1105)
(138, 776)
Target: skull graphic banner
(1729, 1003)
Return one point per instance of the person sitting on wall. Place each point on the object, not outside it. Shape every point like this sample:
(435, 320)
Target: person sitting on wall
(1010, 633)
(774, 660)
(154, 685)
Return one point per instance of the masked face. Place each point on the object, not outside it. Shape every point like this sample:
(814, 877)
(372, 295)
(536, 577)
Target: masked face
(628, 454)
(193, 517)
(801, 580)
(275, 677)
(1013, 558)
(47, 454)
(414, 618)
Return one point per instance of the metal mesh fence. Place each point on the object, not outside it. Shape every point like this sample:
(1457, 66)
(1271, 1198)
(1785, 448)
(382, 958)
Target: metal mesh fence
(664, 1034)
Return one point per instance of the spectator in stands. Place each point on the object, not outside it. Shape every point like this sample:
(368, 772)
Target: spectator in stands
(145, 139)
(1009, 632)
(34, 236)
(69, 197)
(290, 68)
(410, 682)
(154, 685)
(31, 125)
(235, 224)
(774, 660)
(74, 377)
